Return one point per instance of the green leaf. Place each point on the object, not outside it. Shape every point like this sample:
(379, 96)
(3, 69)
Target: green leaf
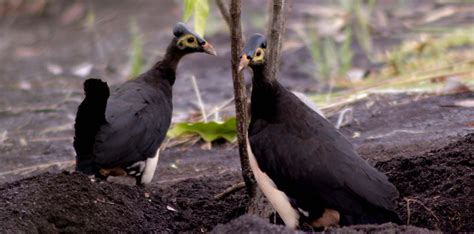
(188, 9)
(201, 11)
(136, 60)
(209, 131)
(346, 52)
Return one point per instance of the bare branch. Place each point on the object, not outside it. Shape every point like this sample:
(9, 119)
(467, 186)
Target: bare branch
(275, 36)
(230, 190)
(224, 12)
(240, 95)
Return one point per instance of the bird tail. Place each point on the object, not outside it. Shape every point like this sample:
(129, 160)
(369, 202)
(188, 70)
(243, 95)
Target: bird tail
(377, 217)
(89, 118)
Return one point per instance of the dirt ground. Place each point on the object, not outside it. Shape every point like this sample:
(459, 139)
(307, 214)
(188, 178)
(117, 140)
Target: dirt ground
(423, 142)
(435, 183)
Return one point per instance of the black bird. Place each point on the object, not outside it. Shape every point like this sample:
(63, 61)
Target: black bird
(309, 171)
(120, 135)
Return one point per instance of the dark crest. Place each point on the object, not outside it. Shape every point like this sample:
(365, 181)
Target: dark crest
(181, 29)
(255, 41)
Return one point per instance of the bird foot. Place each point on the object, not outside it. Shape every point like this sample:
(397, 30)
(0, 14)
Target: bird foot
(116, 171)
(329, 218)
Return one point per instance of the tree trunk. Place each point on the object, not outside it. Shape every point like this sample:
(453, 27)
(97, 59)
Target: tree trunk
(240, 95)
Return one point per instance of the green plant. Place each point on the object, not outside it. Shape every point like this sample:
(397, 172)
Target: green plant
(360, 13)
(209, 131)
(136, 59)
(430, 52)
(199, 9)
(329, 59)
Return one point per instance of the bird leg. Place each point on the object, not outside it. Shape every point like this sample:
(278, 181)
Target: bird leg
(329, 218)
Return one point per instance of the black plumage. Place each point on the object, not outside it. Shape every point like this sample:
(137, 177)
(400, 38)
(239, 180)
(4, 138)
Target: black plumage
(121, 134)
(308, 159)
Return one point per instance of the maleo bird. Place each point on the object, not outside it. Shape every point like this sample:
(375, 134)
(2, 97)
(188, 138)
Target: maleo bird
(120, 135)
(308, 171)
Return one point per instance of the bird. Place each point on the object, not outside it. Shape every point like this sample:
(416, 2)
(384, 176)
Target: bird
(306, 168)
(119, 130)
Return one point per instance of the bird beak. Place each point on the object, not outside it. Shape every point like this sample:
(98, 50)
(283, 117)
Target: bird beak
(208, 49)
(244, 62)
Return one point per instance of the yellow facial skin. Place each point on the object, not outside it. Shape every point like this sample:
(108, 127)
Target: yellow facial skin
(187, 41)
(258, 56)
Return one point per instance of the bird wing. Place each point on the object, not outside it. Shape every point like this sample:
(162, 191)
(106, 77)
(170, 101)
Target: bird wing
(308, 158)
(138, 117)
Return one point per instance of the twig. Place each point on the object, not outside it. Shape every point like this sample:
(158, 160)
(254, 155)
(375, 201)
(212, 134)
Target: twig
(224, 12)
(275, 35)
(49, 139)
(340, 119)
(393, 133)
(400, 80)
(230, 190)
(408, 200)
(408, 211)
(221, 106)
(198, 95)
(176, 180)
(25, 170)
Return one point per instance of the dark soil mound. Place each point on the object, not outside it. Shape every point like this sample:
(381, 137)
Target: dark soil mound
(73, 203)
(251, 224)
(254, 224)
(383, 228)
(437, 186)
(200, 211)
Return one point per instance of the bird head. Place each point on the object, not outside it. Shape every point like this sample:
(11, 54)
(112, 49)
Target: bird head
(188, 41)
(254, 51)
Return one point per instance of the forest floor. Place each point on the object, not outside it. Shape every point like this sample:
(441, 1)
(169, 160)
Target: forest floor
(422, 141)
(434, 178)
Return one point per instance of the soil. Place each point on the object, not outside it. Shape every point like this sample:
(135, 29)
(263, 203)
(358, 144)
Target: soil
(65, 202)
(437, 187)
(436, 183)
(254, 224)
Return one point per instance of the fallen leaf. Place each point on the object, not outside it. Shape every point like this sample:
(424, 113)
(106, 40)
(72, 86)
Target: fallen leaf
(3, 136)
(469, 124)
(54, 69)
(171, 209)
(23, 142)
(439, 14)
(73, 13)
(452, 85)
(82, 70)
(465, 103)
(24, 85)
(26, 52)
(356, 135)
(355, 75)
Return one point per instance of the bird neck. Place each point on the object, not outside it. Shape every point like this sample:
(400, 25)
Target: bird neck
(261, 77)
(265, 91)
(166, 68)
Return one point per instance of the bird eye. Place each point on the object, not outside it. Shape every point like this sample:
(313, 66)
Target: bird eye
(259, 53)
(191, 39)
